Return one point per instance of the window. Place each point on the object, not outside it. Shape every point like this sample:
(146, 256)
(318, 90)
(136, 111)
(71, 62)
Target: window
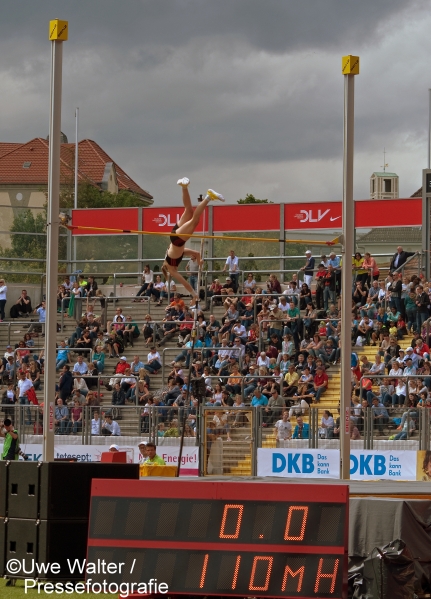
(26, 165)
(388, 185)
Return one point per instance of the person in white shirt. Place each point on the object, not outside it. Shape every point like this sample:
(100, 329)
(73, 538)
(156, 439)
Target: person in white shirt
(283, 428)
(147, 279)
(327, 424)
(233, 265)
(365, 328)
(95, 424)
(24, 385)
(142, 452)
(399, 396)
(153, 361)
(110, 427)
(396, 370)
(3, 294)
(262, 360)
(80, 366)
(80, 384)
(283, 305)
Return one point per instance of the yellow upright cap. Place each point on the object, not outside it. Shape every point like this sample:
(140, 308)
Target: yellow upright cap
(350, 65)
(58, 30)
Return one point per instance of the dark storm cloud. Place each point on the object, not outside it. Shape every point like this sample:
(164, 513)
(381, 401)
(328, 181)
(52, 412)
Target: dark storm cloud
(218, 84)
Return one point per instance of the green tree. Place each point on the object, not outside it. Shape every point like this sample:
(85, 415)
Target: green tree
(90, 196)
(250, 199)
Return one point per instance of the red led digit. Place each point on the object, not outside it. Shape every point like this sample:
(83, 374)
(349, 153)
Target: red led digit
(261, 558)
(288, 571)
(332, 575)
(204, 571)
(235, 572)
(227, 507)
(297, 508)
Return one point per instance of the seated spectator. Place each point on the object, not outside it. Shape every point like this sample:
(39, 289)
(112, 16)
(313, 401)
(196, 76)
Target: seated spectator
(250, 283)
(320, 383)
(258, 399)
(301, 430)
(80, 384)
(272, 411)
(118, 395)
(422, 349)
(110, 427)
(365, 329)
(234, 381)
(327, 424)
(215, 290)
(130, 332)
(84, 343)
(250, 382)
(78, 396)
(290, 385)
(80, 366)
(22, 306)
(380, 414)
(153, 364)
(115, 344)
(305, 296)
(98, 359)
(34, 372)
(283, 428)
(62, 356)
(61, 418)
(75, 423)
(119, 370)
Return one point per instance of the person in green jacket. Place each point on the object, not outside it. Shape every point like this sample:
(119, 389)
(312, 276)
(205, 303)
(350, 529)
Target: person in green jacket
(11, 441)
(152, 457)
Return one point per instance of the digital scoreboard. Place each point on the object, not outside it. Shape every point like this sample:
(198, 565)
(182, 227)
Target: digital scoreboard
(223, 538)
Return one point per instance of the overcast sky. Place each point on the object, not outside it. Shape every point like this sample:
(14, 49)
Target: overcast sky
(245, 96)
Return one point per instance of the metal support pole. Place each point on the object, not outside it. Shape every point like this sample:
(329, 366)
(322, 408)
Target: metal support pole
(75, 195)
(57, 33)
(350, 67)
(429, 128)
(282, 245)
(210, 242)
(140, 243)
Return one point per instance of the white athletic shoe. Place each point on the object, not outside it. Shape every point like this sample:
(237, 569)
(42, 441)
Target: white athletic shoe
(214, 195)
(184, 182)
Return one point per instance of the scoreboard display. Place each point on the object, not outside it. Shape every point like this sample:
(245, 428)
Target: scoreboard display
(223, 538)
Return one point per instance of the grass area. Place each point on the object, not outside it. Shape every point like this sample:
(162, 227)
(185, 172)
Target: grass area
(19, 592)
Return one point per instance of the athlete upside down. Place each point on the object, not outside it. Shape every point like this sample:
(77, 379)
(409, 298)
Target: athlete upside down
(182, 232)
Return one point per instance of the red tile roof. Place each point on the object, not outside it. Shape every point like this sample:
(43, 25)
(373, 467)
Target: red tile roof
(6, 147)
(91, 166)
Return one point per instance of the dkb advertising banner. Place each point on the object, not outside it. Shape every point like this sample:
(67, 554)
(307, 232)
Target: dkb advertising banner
(325, 463)
(373, 464)
(299, 463)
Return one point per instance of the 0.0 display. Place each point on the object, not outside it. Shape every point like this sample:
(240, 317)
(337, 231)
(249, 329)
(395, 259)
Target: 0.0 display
(256, 522)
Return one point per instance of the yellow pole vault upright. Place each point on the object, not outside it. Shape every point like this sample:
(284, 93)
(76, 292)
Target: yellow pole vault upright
(350, 68)
(58, 33)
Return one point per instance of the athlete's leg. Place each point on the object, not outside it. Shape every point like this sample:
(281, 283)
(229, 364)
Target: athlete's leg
(172, 270)
(187, 228)
(188, 208)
